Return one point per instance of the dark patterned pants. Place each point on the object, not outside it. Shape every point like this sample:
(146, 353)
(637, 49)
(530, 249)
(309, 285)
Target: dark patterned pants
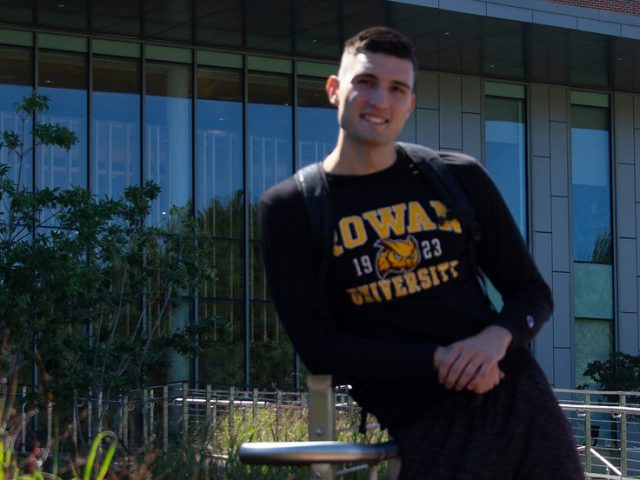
(517, 431)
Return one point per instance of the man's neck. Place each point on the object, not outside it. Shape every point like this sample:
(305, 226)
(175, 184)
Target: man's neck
(359, 159)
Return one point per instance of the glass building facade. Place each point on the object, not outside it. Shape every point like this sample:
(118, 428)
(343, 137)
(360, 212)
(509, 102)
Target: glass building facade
(218, 108)
(214, 130)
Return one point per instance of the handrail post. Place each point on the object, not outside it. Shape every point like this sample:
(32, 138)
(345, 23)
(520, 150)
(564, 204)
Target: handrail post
(587, 435)
(321, 421)
(623, 436)
(165, 418)
(185, 412)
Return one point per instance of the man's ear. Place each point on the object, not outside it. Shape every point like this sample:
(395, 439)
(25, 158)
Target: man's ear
(413, 105)
(332, 88)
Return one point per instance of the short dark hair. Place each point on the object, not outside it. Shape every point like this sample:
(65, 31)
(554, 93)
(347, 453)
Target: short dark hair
(382, 40)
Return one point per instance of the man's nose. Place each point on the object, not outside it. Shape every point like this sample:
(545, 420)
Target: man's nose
(379, 96)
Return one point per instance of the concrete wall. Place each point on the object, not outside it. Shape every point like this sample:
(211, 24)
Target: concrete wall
(448, 116)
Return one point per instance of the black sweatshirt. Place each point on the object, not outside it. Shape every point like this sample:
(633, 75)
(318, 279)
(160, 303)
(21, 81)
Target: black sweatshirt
(400, 282)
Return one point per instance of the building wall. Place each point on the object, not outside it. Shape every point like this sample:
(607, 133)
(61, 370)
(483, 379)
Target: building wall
(626, 137)
(621, 6)
(449, 116)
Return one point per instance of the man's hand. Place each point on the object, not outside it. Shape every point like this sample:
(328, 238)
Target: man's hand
(472, 363)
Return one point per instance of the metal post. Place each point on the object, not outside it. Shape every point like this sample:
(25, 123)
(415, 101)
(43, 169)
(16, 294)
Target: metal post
(23, 430)
(123, 412)
(90, 416)
(623, 437)
(255, 405)
(152, 415)
(393, 468)
(208, 403)
(165, 418)
(49, 422)
(145, 426)
(321, 421)
(587, 435)
(99, 412)
(373, 472)
(125, 419)
(185, 413)
(278, 412)
(232, 394)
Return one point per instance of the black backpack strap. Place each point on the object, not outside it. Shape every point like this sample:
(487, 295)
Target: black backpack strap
(312, 182)
(438, 176)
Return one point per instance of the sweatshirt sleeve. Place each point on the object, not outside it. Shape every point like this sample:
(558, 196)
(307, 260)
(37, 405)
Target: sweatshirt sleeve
(504, 258)
(301, 303)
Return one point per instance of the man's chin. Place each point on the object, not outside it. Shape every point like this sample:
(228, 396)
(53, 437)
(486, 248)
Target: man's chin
(373, 141)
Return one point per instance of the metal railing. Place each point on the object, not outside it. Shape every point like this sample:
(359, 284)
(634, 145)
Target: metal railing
(607, 422)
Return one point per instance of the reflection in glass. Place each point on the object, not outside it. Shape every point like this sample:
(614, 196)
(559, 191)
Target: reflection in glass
(222, 357)
(270, 160)
(271, 351)
(317, 122)
(219, 153)
(270, 156)
(63, 78)
(167, 147)
(591, 184)
(116, 126)
(592, 242)
(219, 206)
(16, 66)
(505, 153)
(594, 341)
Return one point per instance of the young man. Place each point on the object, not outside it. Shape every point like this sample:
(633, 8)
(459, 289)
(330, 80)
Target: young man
(399, 313)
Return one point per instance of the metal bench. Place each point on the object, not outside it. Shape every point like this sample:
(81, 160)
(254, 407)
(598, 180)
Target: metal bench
(321, 453)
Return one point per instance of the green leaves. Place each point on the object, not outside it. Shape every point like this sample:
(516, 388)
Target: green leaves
(57, 135)
(88, 290)
(621, 372)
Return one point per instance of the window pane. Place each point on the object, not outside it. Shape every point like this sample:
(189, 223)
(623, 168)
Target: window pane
(592, 241)
(270, 160)
(168, 135)
(271, 351)
(219, 152)
(222, 358)
(592, 289)
(317, 122)
(594, 341)
(270, 127)
(226, 256)
(116, 126)
(63, 78)
(591, 184)
(505, 152)
(16, 67)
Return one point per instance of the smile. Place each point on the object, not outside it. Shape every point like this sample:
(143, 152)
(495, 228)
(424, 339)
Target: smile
(374, 119)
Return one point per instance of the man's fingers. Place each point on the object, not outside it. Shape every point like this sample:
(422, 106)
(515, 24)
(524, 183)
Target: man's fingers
(470, 372)
(486, 380)
(451, 355)
(462, 370)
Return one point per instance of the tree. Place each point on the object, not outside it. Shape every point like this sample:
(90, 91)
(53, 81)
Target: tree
(621, 372)
(88, 290)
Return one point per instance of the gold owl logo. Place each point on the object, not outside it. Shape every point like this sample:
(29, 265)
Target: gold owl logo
(397, 256)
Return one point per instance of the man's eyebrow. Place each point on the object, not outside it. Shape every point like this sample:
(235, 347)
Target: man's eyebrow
(402, 84)
(365, 74)
(375, 77)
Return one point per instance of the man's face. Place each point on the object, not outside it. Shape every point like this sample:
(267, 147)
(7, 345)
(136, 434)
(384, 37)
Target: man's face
(374, 96)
